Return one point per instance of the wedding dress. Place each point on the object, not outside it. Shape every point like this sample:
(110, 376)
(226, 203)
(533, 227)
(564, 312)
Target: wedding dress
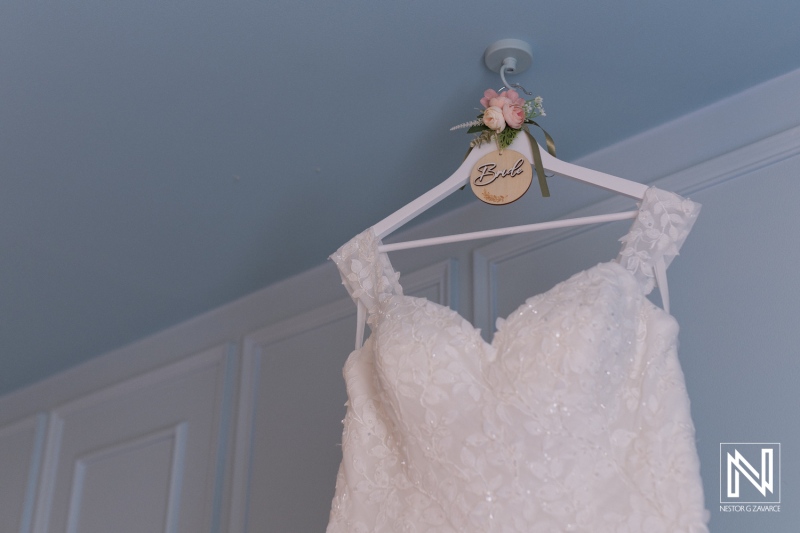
(575, 417)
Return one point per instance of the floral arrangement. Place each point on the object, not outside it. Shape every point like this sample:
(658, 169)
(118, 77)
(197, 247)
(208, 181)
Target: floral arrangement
(503, 117)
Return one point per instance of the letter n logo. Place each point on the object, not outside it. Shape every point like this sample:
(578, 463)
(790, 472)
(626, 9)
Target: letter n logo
(748, 472)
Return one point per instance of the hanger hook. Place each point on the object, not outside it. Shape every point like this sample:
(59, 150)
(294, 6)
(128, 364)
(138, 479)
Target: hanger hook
(510, 65)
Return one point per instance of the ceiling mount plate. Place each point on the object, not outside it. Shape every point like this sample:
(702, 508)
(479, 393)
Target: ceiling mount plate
(518, 50)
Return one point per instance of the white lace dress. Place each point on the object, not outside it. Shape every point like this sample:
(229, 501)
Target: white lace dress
(575, 417)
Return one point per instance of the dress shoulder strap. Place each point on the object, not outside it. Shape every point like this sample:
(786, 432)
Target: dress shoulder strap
(657, 234)
(366, 273)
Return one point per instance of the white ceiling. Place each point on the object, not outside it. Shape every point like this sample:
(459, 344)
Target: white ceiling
(160, 159)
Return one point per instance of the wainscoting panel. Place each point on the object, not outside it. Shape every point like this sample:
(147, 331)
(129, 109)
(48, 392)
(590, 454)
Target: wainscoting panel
(21, 445)
(141, 455)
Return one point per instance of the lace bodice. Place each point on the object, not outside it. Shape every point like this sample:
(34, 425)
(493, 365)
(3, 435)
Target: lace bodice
(574, 418)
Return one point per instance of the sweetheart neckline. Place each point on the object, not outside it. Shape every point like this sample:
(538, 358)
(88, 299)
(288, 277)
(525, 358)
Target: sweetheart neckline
(492, 324)
(490, 343)
(659, 229)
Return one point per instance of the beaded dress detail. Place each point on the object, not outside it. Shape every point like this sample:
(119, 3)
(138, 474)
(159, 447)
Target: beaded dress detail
(574, 418)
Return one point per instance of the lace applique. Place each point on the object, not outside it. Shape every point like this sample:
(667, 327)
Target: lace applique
(663, 223)
(366, 273)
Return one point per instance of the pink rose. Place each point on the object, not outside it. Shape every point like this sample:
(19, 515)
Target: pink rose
(499, 101)
(514, 116)
(513, 96)
(488, 95)
(493, 118)
(492, 98)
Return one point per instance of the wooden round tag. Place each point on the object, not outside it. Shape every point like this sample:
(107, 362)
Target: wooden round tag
(500, 178)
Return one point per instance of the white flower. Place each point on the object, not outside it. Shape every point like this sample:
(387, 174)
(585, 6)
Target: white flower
(493, 119)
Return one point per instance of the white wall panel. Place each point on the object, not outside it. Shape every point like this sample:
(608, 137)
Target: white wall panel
(20, 459)
(437, 283)
(292, 399)
(138, 456)
(131, 486)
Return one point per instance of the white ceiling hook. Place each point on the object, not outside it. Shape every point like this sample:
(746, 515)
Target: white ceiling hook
(510, 56)
(510, 66)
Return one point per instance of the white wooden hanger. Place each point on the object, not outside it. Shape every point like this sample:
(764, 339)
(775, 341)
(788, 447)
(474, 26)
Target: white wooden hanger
(460, 177)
